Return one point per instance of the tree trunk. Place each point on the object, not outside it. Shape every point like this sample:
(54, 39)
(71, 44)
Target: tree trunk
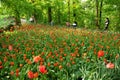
(97, 17)
(68, 10)
(59, 16)
(118, 17)
(17, 17)
(101, 5)
(49, 14)
(35, 16)
(74, 11)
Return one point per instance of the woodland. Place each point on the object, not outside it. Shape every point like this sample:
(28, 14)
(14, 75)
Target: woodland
(87, 13)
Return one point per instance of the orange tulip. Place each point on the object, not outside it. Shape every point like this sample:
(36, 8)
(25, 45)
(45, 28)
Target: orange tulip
(5, 59)
(12, 73)
(60, 66)
(20, 65)
(48, 64)
(11, 63)
(36, 75)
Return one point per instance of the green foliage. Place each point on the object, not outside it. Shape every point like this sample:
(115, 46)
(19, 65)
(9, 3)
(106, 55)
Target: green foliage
(85, 11)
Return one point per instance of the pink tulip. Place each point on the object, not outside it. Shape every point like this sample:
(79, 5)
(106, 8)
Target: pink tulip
(10, 47)
(110, 65)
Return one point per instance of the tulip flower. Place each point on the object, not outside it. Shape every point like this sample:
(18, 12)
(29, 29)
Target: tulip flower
(10, 47)
(36, 59)
(42, 69)
(30, 75)
(110, 65)
(100, 53)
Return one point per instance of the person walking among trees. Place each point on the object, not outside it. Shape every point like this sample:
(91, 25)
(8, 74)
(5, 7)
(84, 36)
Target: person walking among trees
(51, 23)
(32, 19)
(68, 24)
(74, 24)
(106, 23)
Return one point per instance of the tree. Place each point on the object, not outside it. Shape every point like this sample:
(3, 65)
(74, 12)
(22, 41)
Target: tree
(100, 19)
(17, 8)
(97, 13)
(68, 10)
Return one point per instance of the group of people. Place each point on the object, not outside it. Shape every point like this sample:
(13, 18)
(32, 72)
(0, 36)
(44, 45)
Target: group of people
(32, 20)
(75, 24)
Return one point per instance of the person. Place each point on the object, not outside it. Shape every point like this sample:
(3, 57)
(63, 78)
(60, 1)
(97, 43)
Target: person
(52, 23)
(74, 24)
(68, 24)
(32, 20)
(106, 23)
(23, 20)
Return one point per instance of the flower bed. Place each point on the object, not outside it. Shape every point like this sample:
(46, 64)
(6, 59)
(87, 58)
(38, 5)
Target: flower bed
(52, 53)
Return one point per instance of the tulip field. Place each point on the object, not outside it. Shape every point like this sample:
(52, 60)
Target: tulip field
(39, 52)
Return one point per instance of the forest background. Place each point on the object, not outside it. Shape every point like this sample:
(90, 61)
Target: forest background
(87, 13)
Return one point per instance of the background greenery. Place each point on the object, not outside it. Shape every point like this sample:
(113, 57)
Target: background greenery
(88, 13)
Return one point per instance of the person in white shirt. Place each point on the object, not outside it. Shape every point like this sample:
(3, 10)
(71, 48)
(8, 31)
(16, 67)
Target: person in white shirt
(32, 19)
(106, 23)
(74, 24)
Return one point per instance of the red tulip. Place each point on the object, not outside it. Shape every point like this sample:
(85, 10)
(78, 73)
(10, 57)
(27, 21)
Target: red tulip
(42, 69)
(30, 75)
(0, 63)
(17, 74)
(1, 67)
(110, 65)
(100, 53)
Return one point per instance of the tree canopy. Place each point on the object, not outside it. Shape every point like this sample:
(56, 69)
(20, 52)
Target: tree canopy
(87, 13)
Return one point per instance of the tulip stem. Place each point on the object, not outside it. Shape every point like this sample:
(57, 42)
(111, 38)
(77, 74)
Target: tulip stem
(67, 74)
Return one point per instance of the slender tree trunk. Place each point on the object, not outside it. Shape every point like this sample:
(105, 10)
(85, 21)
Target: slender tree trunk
(49, 14)
(35, 18)
(74, 11)
(119, 12)
(97, 17)
(118, 16)
(17, 17)
(68, 10)
(101, 5)
(59, 16)
(34, 15)
(58, 12)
